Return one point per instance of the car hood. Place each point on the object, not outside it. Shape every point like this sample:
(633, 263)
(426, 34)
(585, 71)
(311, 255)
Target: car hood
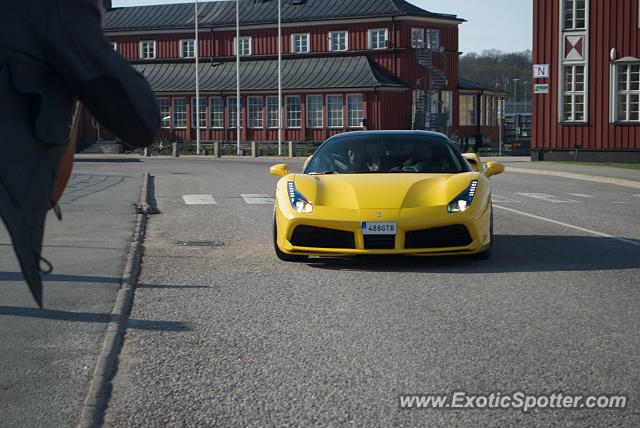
(374, 191)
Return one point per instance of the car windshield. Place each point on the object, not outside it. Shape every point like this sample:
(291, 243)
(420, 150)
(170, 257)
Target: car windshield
(382, 153)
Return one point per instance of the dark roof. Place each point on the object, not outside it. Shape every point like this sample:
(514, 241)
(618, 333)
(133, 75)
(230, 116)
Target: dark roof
(305, 73)
(223, 13)
(468, 85)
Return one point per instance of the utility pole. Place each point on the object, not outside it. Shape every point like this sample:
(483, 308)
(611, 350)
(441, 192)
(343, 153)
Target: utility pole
(238, 100)
(279, 77)
(197, 53)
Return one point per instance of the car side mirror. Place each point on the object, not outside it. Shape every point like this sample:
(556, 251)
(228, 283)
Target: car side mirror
(493, 168)
(280, 170)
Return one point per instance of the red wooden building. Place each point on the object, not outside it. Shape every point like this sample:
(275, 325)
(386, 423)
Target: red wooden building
(374, 64)
(590, 51)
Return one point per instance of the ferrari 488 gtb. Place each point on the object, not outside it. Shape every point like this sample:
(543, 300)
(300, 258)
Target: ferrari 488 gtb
(385, 192)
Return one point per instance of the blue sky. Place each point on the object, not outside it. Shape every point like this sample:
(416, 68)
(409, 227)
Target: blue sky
(493, 24)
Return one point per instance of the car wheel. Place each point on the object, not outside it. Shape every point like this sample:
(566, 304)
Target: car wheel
(486, 254)
(281, 254)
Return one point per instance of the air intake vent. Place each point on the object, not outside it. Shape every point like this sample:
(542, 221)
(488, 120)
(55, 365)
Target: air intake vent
(441, 237)
(318, 237)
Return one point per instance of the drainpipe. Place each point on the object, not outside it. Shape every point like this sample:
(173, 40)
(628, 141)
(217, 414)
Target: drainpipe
(393, 48)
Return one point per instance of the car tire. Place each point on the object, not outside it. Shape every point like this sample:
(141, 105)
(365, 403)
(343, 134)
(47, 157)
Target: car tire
(281, 254)
(486, 254)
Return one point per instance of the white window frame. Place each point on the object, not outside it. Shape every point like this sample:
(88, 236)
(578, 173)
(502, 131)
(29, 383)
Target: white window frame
(178, 115)
(141, 49)
(573, 93)
(242, 51)
(417, 42)
(165, 123)
(350, 112)
(293, 43)
(312, 115)
(255, 116)
(114, 45)
(290, 119)
(269, 103)
(203, 112)
(574, 19)
(182, 50)
(329, 122)
(233, 116)
(214, 114)
(430, 41)
(377, 31)
(333, 34)
(628, 92)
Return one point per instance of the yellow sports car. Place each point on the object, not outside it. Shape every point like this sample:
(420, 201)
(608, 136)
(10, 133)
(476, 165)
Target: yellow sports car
(385, 192)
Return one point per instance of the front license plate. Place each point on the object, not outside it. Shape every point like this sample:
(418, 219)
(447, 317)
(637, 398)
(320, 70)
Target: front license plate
(379, 228)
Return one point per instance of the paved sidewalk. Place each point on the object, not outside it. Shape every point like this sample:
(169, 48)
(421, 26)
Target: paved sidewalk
(593, 170)
(49, 355)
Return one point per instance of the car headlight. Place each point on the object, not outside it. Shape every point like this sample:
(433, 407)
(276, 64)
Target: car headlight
(463, 201)
(298, 201)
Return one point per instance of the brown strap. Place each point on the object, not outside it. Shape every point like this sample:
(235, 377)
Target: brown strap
(66, 164)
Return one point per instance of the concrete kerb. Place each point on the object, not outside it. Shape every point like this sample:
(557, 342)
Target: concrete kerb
(95, 403)
(584, 177)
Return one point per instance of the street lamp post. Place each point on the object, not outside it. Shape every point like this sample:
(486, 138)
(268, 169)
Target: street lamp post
(515, 105)
(197, 55)
(279, 77)
(238, 101)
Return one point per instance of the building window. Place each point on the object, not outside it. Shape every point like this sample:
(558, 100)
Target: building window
(245, 46)
(338, 41)
(433, 39)
(273, 112)
(468, 110)
(574, 14)
(483, 110)
(203, 112)
(165, 112)
(417, 38)
(334, 111)
(378, 38)
(216, 110)
(300, 43)
(293, 111)
(573, 93)
(447, 105)
(232, 109)
(179, 112)
(187, 48)
(355, 111)
(148, 49)
(627, 99)
(255, 116)
(314, 111)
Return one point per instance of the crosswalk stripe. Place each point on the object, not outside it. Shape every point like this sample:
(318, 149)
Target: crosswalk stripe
(260, 199)
(545, 197)
(580, 195)
(199, 200)
(501, 199)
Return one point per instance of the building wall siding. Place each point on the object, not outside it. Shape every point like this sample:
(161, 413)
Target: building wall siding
(612, 24)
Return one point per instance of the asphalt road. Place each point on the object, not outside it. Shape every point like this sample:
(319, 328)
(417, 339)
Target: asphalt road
(222, 333)
(333, 343)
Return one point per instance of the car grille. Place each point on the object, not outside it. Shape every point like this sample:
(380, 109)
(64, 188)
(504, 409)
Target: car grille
(319, 237)
(441, 237)
(379, 242)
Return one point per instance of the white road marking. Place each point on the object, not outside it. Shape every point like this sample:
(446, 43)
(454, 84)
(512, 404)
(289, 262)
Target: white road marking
(199, 200)
(548, 198)
(580, 195)
(571, 226)
(619, 203)
(252, 199)
(501, 199)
